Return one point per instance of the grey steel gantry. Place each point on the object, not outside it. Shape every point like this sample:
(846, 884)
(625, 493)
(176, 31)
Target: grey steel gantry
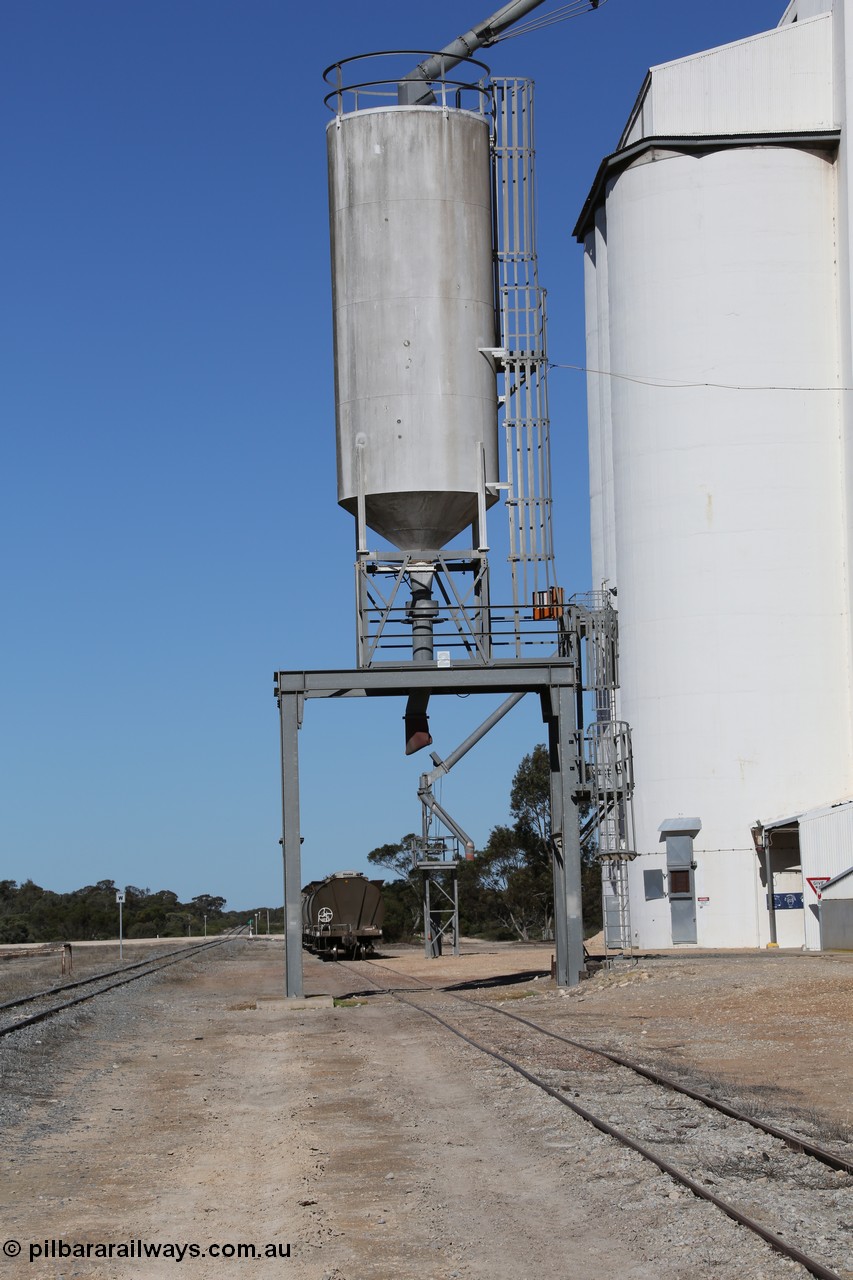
(556, 681)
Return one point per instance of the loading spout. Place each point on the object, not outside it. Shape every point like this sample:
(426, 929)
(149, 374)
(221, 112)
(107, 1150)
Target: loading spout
(410, 91)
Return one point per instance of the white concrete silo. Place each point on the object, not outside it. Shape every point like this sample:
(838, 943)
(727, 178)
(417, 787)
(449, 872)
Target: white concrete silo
(718, 507)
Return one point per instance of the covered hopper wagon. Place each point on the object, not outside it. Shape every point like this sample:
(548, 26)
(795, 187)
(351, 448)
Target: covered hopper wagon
(342, 915)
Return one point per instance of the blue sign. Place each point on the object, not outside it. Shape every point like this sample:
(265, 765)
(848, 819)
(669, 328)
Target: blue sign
(787, 902)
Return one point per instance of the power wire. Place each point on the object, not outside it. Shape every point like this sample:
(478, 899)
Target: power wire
(676, 384)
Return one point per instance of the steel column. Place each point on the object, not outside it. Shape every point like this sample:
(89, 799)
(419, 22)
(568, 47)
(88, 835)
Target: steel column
(565, 835)
(429, 942)
(290, 712)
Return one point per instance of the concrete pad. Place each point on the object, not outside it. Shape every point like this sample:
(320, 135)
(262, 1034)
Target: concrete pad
(296, 1003)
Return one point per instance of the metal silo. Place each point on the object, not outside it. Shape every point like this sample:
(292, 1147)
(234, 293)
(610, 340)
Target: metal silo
(425, 269)
(414, 318)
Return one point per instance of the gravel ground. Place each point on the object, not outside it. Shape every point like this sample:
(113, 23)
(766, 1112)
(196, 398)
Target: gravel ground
(195, 1107)
(25, 969)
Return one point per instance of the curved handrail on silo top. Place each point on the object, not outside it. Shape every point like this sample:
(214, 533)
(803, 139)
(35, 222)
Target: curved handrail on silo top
(371, 89)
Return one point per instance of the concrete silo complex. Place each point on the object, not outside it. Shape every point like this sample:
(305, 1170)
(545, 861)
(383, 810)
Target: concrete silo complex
(718, 287)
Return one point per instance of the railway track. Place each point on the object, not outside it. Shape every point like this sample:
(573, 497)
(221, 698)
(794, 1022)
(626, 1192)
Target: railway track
(794, 1194)
(41, 1005)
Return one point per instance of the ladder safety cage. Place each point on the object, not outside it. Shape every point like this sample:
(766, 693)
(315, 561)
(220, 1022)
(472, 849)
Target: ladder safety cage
(608, 765)
(523, 366)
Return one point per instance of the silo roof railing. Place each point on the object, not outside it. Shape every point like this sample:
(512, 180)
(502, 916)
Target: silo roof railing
(375, 90)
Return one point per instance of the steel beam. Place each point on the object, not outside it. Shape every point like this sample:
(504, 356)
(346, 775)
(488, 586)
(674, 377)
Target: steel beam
(565, 836)
(399, 681)
(289, 711)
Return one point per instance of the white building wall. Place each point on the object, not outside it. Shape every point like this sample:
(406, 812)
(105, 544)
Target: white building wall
(727, 508)
(599, 414)
(826, 849)
(725, 517)
(842, 64)
(775, 81)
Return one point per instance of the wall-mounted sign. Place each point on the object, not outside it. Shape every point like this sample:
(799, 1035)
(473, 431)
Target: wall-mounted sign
(787, 902)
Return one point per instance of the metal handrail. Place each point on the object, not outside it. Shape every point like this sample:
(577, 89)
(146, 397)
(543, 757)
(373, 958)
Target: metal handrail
(387, 86)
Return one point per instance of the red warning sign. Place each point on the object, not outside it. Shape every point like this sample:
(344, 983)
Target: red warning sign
(817, 882)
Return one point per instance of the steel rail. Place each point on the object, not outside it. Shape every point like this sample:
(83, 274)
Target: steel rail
(44, 1014)
(96, 977)
(792, 1140)
(770, 1237)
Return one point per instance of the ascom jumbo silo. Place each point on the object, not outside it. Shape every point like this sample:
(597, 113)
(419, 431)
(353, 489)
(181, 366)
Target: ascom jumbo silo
(716, 470)
(414, 314)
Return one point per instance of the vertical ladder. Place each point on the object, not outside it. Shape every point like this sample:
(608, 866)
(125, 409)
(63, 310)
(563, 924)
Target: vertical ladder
(523, 364)
(611, 777)
(609, 766)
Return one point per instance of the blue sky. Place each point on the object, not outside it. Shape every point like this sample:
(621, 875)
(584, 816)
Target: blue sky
(170, 531)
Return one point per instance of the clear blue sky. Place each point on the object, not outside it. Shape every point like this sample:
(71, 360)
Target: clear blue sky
(170, 532)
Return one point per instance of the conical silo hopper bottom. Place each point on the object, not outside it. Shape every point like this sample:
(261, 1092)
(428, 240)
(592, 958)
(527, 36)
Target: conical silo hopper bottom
(420, 523)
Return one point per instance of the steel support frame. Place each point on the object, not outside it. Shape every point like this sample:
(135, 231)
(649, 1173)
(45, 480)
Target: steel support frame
(560, 714)
(461, 588)
(556, 682)
(290, 709)
(441, 911)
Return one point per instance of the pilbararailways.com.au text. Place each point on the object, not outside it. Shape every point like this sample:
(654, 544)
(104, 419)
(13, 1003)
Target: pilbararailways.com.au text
(167, 1251)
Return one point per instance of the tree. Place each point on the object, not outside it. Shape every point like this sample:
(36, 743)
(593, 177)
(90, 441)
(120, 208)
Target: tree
(207, 905)
(404, 897)
(530, 799)
(519, 882)
(516, 863)
(396, 858)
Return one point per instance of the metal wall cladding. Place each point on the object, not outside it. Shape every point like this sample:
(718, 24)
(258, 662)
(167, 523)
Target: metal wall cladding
(836, 925)
(776, 81)
(826, 849)
(413, 298)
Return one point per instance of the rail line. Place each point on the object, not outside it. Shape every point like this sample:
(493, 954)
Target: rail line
(692, 1119)
(128, 974)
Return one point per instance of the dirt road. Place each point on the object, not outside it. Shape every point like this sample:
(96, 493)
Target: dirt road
(362, 1143)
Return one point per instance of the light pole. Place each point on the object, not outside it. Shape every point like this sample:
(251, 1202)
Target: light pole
(205, 926)
(120, 901)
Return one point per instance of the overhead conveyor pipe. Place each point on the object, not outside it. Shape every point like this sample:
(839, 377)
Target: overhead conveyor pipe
(444, 766)
(410, 91)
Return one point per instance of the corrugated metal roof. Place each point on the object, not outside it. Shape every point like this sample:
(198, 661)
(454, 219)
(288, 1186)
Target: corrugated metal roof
(778, 80)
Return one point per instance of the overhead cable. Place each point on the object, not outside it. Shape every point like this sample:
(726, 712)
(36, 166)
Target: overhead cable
(677, 384)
